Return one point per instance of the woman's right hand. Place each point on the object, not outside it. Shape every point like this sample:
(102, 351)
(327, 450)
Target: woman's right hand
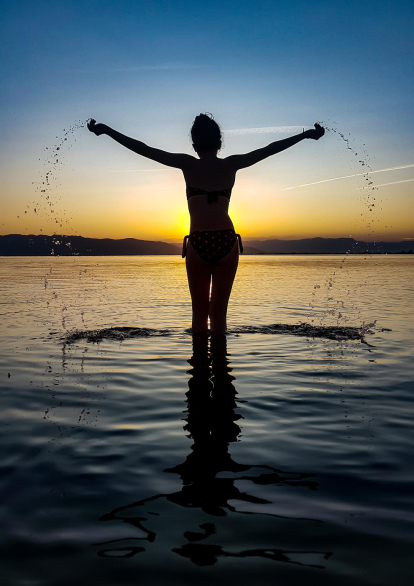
(315, 133)
(97, 129)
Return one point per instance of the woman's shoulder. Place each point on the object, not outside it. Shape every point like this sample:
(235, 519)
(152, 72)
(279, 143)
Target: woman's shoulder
(188, 161)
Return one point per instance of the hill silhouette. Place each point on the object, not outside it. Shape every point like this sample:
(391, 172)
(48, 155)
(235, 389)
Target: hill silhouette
(330, 246)
(61, 245)
(31, 245)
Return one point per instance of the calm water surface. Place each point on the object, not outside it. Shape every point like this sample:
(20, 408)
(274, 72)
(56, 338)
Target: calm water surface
(277, 459)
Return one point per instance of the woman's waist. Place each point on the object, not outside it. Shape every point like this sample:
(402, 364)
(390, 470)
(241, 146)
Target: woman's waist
(211, 224)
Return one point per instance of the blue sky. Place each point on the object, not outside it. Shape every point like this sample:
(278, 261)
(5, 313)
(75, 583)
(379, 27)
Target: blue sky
(147, 68)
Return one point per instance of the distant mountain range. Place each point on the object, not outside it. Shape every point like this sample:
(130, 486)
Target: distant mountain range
(30, 245)
(40, 245)
(329, 246)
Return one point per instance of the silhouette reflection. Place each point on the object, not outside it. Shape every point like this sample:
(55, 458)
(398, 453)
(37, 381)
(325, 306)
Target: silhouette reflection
(209, 472)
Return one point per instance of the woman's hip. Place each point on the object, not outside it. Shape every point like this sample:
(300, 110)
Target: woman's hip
(212, 245)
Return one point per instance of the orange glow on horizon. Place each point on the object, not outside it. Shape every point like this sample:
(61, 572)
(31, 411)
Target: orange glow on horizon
(153, 207)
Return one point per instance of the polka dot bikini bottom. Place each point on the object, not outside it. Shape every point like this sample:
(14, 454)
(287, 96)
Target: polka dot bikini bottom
(212, 245)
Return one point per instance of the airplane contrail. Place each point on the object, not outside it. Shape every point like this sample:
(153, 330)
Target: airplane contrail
(264, 130)
(392, 183)
(349, 176)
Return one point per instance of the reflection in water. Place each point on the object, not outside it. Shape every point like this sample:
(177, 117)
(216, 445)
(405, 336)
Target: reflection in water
(209, 473)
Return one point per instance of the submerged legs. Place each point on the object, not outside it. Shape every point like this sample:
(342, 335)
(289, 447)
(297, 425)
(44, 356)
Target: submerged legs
(221, 277)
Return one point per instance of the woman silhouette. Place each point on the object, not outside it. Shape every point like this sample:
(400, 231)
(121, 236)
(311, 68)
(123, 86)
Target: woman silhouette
(212, 247)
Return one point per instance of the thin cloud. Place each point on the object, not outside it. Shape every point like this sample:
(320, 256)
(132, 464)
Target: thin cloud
(154, 67)
(142, 170)
(160, 66)
(392, 183)
(264, 130)
(349, 176)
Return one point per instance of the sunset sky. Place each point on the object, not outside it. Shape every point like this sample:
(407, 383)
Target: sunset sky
(265, 69)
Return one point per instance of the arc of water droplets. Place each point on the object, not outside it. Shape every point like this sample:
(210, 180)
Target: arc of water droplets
(47, 188)
(368, 199)
(47, 202)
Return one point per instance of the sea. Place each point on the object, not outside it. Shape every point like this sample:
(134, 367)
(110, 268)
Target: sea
(135, 454)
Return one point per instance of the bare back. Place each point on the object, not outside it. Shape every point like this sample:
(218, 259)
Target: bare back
(211, 174)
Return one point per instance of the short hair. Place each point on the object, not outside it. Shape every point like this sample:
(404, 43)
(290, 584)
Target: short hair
(206, 133)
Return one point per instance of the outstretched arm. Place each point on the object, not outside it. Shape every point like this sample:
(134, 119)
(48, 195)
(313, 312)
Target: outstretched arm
(179, 160)
(249, 159)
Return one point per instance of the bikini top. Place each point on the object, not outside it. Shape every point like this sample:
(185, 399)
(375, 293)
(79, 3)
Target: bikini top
(212, 196)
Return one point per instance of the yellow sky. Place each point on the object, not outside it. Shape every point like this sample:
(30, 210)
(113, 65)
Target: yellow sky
(152, 206)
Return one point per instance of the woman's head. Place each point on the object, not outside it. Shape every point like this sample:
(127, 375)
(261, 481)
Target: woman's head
(206, 134)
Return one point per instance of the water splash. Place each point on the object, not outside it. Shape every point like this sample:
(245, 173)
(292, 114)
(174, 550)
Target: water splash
(49, 189)
(339, 333)
(368, 199)
(115, 333)
(341, 309)
(49, 192)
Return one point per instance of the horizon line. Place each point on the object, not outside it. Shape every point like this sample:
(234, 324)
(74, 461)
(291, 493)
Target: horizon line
(178, 241)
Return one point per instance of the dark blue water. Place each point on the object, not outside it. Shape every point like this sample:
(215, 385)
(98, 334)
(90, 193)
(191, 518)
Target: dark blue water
(263, 458)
